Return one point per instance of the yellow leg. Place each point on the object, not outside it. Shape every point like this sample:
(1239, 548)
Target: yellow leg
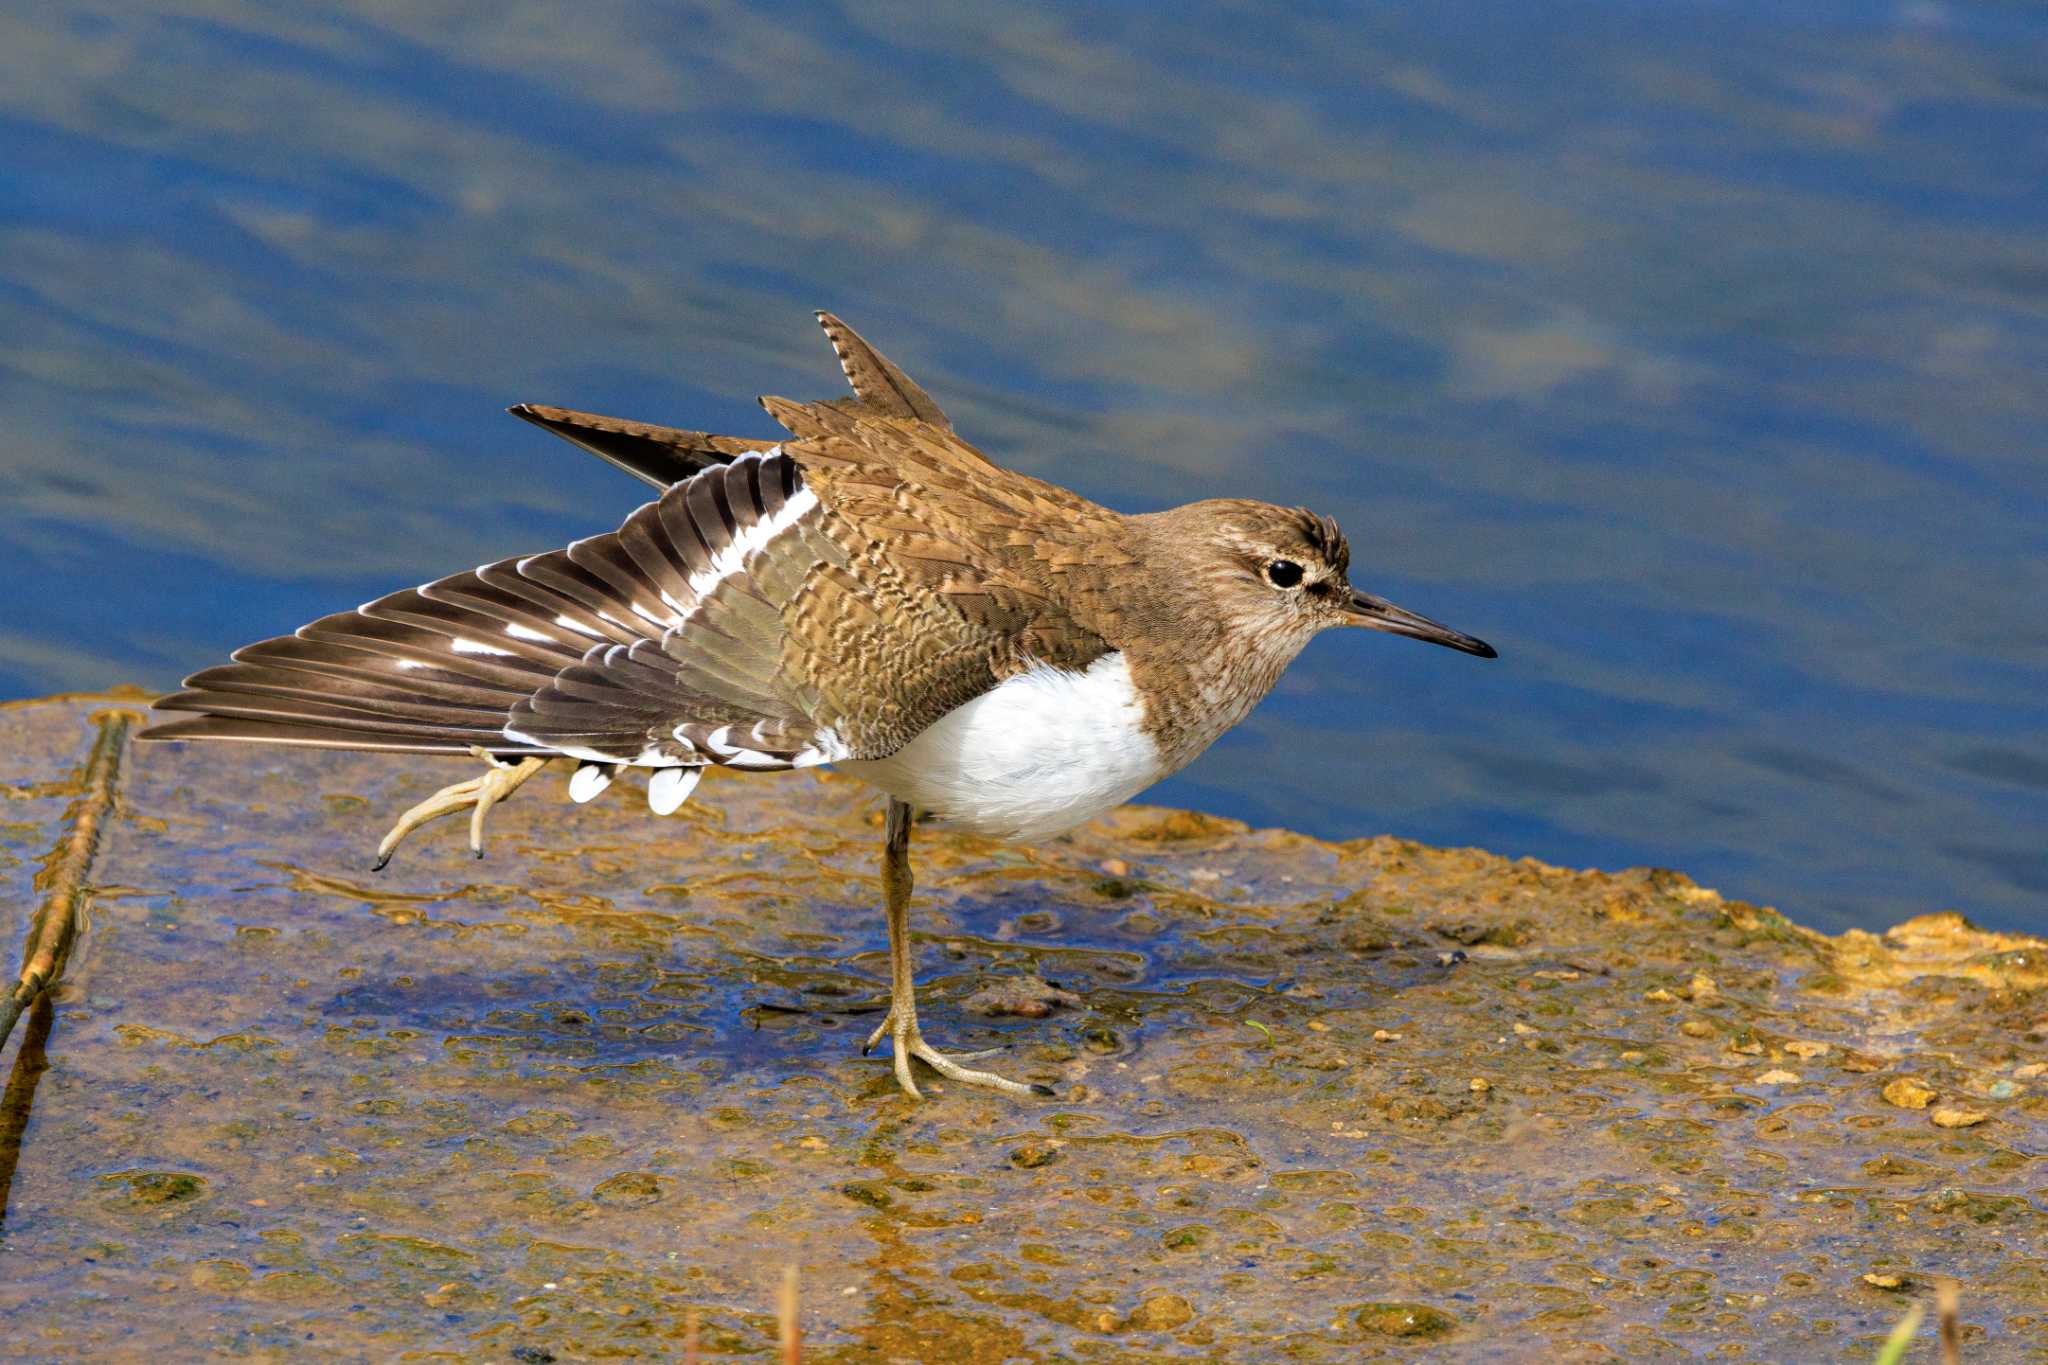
(900, 1025)
(477, 795)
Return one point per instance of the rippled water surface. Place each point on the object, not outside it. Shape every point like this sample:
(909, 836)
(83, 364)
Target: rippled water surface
(1691, 354)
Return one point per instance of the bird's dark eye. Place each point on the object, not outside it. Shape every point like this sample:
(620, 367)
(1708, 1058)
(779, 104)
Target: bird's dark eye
(1284, 573)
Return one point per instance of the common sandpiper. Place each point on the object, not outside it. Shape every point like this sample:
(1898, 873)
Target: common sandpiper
(994, 653)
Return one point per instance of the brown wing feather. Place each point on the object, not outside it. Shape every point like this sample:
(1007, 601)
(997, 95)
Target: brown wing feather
(878, 383)
(637, 645)
(1026, 560)
(654, 454)
(310, 736)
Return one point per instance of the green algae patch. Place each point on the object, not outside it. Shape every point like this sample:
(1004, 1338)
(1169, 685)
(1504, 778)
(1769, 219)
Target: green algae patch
(154, 1189)
(1403, 1320)
(1315, 1102)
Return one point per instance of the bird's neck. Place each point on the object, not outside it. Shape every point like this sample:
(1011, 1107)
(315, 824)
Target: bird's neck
(1199, 669)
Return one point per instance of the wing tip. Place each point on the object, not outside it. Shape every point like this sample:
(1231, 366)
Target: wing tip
(876, 380)
(652, 453)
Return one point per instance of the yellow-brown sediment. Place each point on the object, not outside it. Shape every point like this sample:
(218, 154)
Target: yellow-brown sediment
(564, 1101)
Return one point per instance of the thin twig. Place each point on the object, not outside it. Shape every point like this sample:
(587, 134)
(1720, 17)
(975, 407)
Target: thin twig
(1948, 1303)
(63, 880)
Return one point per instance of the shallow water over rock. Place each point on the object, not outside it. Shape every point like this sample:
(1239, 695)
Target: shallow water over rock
(1316, 1102)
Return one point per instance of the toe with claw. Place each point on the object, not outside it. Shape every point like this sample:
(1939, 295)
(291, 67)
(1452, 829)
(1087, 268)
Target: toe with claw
(477, 795)
(908, 1041)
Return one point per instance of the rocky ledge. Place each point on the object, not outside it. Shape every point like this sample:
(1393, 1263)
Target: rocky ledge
(1316, 1101)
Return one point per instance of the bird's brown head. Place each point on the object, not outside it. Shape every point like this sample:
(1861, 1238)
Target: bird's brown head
(1284, 573)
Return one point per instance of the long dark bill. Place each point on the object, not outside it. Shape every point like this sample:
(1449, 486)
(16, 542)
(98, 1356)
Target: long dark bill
(1377, 613)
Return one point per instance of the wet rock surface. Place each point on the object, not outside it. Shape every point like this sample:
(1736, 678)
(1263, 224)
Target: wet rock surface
(1317, 1102)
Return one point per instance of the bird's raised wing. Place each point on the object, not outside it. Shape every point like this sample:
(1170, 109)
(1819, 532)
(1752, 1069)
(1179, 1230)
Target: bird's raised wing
(797, 604)
(876, 381)
(662, 455)
(736, 620)
(544, 640)
(1030, 562)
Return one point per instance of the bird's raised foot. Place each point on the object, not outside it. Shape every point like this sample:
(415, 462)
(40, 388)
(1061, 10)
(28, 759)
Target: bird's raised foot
(477, 795)
(909, 1042)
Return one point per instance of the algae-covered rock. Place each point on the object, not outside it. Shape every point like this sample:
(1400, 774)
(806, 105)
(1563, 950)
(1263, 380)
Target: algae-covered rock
(1162, 1313)
(1403, 1320)
(629, 1190)
(1316, 1101)
(1026, 997)
(151, 1188)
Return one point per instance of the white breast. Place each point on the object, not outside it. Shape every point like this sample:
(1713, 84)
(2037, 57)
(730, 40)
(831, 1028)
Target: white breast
(1042, 752)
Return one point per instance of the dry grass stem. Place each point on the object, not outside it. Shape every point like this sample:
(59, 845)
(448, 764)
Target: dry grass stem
(792, 1339)
(63, 878)
(1948, 1304)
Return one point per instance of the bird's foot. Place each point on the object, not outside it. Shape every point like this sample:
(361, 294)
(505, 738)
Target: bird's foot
(909, 1042)
(477, 795)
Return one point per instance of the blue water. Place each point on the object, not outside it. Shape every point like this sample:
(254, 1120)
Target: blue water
(1693, 354)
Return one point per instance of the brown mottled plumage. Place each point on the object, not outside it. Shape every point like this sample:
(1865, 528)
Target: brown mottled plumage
(991, 649)
(657, 455)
